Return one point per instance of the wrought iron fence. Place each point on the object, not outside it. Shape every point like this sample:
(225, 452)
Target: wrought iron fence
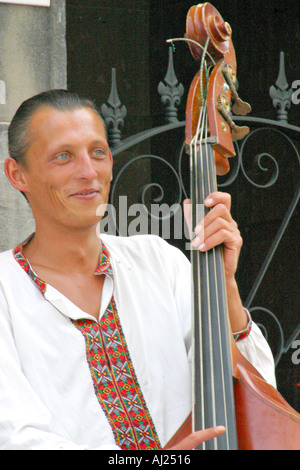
(262, 175)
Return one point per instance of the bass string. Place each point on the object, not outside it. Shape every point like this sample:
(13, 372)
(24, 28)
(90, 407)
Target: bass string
(198, 387)
(211, 278)
(204, 180)
(215, 286)
(203, 169)
(200, 191)
(198, 398)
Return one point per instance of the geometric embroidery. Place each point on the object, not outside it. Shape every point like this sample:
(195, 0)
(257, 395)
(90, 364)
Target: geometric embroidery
(240, 335)
(20, 258)
(115, 384)
(114, 379)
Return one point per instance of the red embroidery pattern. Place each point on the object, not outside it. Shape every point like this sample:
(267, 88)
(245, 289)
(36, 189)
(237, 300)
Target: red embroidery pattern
(20, 258)
(115, 382)
(240, 335)
(114, 379)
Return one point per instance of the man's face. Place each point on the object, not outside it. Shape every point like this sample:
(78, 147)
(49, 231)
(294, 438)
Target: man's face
(68, 166)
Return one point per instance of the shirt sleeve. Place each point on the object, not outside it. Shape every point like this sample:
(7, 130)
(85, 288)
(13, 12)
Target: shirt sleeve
(25, 423)
(256, 349)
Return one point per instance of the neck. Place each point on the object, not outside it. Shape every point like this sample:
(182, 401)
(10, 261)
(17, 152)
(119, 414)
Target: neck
(73, 249)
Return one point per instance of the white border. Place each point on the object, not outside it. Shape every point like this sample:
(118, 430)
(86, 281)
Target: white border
(37, 3)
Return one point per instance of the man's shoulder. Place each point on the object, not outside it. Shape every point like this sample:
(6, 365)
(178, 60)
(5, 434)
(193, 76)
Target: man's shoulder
(7, 262)
(144, 247)
(6, 256)
(135, 243)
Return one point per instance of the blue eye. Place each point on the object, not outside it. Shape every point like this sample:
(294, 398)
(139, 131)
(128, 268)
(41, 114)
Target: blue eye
(63, 156)
(99, 152)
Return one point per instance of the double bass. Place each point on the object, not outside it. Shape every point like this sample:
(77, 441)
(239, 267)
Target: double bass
(227, 389)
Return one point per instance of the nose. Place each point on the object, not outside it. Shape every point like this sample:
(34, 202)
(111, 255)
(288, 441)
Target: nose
(85, 167)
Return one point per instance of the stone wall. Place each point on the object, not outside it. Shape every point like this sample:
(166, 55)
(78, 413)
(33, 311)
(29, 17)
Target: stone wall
(32, 59)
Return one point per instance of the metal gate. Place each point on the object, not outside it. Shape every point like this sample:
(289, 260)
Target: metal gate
(148, 190)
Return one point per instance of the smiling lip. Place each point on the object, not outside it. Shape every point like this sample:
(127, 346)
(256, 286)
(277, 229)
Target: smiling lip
(86, 194)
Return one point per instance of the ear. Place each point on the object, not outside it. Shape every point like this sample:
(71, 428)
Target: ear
(112, 162)
(16, 174)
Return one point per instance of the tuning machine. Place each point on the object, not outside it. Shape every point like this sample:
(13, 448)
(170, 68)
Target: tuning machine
(223, 106)
(239, 106)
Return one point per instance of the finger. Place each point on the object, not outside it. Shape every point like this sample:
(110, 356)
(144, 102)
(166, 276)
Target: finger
(219, 232)
(196, 438)
(218, 197)
(219, 213)
(187, 211)
(220, 227)
(226, 236)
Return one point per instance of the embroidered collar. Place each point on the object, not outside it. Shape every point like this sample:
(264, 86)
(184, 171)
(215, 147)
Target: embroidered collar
(104, 265)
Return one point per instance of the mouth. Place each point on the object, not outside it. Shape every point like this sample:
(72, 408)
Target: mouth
(86, 194)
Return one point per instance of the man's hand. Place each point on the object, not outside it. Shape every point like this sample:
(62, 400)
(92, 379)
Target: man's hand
(217, 227)
(196, 438)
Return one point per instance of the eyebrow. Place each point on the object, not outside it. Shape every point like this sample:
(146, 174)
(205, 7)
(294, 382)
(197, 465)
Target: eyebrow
(100, 142)
(65, 146)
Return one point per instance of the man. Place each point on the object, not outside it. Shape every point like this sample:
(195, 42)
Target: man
(95, 334)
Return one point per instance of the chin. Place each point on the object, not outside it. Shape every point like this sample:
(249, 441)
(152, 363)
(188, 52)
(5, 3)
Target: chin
(80, 219)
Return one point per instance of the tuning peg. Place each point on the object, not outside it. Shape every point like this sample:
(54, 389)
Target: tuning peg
(223, 107)
(239, 132)
(239, 107)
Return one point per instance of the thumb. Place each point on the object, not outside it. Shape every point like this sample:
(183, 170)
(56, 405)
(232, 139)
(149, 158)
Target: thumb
(196, 438)
(187, 213)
